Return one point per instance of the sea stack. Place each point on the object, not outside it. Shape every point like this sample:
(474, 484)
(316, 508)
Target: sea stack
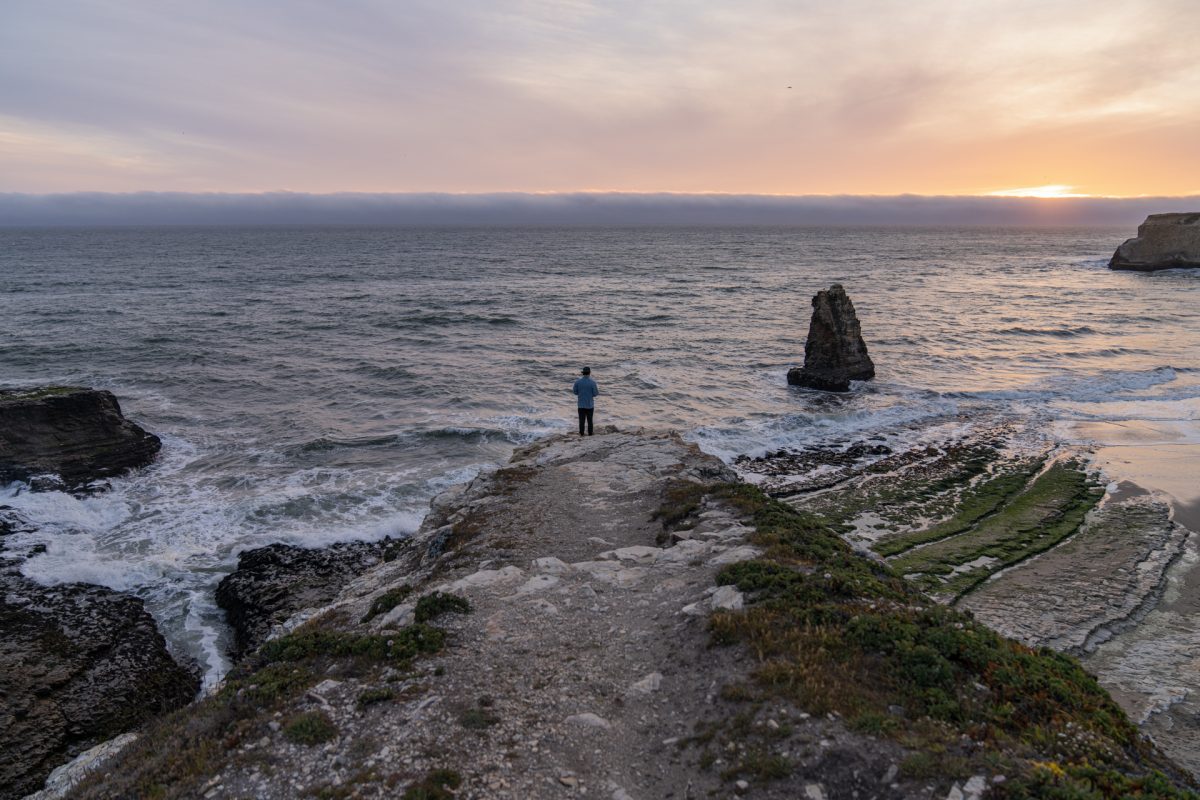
(835, 352)
(74, 432)
(1164, 241)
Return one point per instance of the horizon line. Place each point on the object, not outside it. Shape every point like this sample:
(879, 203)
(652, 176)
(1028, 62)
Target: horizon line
(587, 209)
(997, 194)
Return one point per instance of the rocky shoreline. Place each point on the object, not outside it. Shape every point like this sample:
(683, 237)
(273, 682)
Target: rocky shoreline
(79, 664)
(618, 616)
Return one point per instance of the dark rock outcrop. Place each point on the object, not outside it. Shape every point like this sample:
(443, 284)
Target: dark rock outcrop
(76, 433)
(835, 352)
(274, 582)
(79, 664)
(1164, 241)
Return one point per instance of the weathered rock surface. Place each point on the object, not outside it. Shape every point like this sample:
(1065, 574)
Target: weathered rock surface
(76, 433)
(272, 583)
(835, 352)
(579, 661)
(1164, 241)
(79, 664)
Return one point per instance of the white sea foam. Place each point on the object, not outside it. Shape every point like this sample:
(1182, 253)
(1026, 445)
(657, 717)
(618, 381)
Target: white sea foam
(169, 535)
(758, 437)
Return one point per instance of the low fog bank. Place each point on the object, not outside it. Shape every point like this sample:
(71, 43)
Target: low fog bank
(583, 209)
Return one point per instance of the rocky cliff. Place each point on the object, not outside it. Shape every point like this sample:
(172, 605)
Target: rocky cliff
(619, 617)
(1164, 241)
(79, 664)
(76, 433)
(834, 353)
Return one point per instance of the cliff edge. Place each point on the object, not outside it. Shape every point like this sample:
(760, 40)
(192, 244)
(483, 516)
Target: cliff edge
(618, 617)
(1164, 241)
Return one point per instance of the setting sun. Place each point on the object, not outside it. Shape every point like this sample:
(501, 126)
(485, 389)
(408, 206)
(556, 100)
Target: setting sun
(1049, 190)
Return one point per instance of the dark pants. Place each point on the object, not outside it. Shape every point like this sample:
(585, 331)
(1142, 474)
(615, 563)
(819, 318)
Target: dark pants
(585, 414)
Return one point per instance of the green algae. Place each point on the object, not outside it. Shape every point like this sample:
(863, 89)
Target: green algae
(978, 501)
(38, 393)
(1049, 510)
(903, 492)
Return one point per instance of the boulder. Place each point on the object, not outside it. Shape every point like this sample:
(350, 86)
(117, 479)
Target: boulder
(76, 433)
(79, 664)
(835, 352)
(274, 582)
(1164, 241)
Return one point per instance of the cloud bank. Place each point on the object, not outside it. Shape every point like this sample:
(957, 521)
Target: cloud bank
(758, 96)
(574, 209)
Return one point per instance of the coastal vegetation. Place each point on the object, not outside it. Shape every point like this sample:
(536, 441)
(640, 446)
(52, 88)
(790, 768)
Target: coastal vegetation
(178, 752)
(836, 633)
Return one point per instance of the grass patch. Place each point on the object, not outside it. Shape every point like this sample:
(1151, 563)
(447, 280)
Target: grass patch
(370, 697)
(437, 785)
(433, 605)
(403, 646)
(835, 632)
(179, 752)
(759, 766)
(477, 719)
(387, 601)
(310, 728)
(681, 499)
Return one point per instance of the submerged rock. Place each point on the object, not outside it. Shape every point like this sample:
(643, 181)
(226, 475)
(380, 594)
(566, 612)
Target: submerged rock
(835, 352)
(76, 433)
(274, 582)
(79, 664)
(1164, 241)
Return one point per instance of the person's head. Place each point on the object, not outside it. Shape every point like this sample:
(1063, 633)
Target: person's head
(585, 371)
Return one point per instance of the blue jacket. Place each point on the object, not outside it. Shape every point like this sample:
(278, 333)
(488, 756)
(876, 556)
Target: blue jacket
(587, 390)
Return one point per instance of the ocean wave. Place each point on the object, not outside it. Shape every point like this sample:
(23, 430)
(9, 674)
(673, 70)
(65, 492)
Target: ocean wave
(325, 444)
(1064, 332)
(1113, 386)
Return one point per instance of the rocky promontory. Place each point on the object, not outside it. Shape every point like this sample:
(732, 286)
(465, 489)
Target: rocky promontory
(76, 433)
(79, 664)
(1163, 241)
(619, 617)
(834, 353)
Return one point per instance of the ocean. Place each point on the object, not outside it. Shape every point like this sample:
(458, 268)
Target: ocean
(320, 384)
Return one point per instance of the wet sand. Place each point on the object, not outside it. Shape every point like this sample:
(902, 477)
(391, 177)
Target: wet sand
(1153, 668)
(1161, 456)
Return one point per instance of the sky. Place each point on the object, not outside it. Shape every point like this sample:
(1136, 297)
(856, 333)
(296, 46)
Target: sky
(857, 97)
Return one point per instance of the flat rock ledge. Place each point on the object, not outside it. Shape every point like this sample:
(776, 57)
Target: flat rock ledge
(1164, 241)
(75, 433)
(79, 664)
(556, 618)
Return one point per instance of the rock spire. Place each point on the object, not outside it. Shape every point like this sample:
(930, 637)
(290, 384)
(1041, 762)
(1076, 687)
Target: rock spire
(835, 352)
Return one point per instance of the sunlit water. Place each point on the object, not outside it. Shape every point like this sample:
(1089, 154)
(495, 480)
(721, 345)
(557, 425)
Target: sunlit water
(319, 384)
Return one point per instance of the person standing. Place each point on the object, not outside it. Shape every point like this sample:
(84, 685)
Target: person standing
(586, 390)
